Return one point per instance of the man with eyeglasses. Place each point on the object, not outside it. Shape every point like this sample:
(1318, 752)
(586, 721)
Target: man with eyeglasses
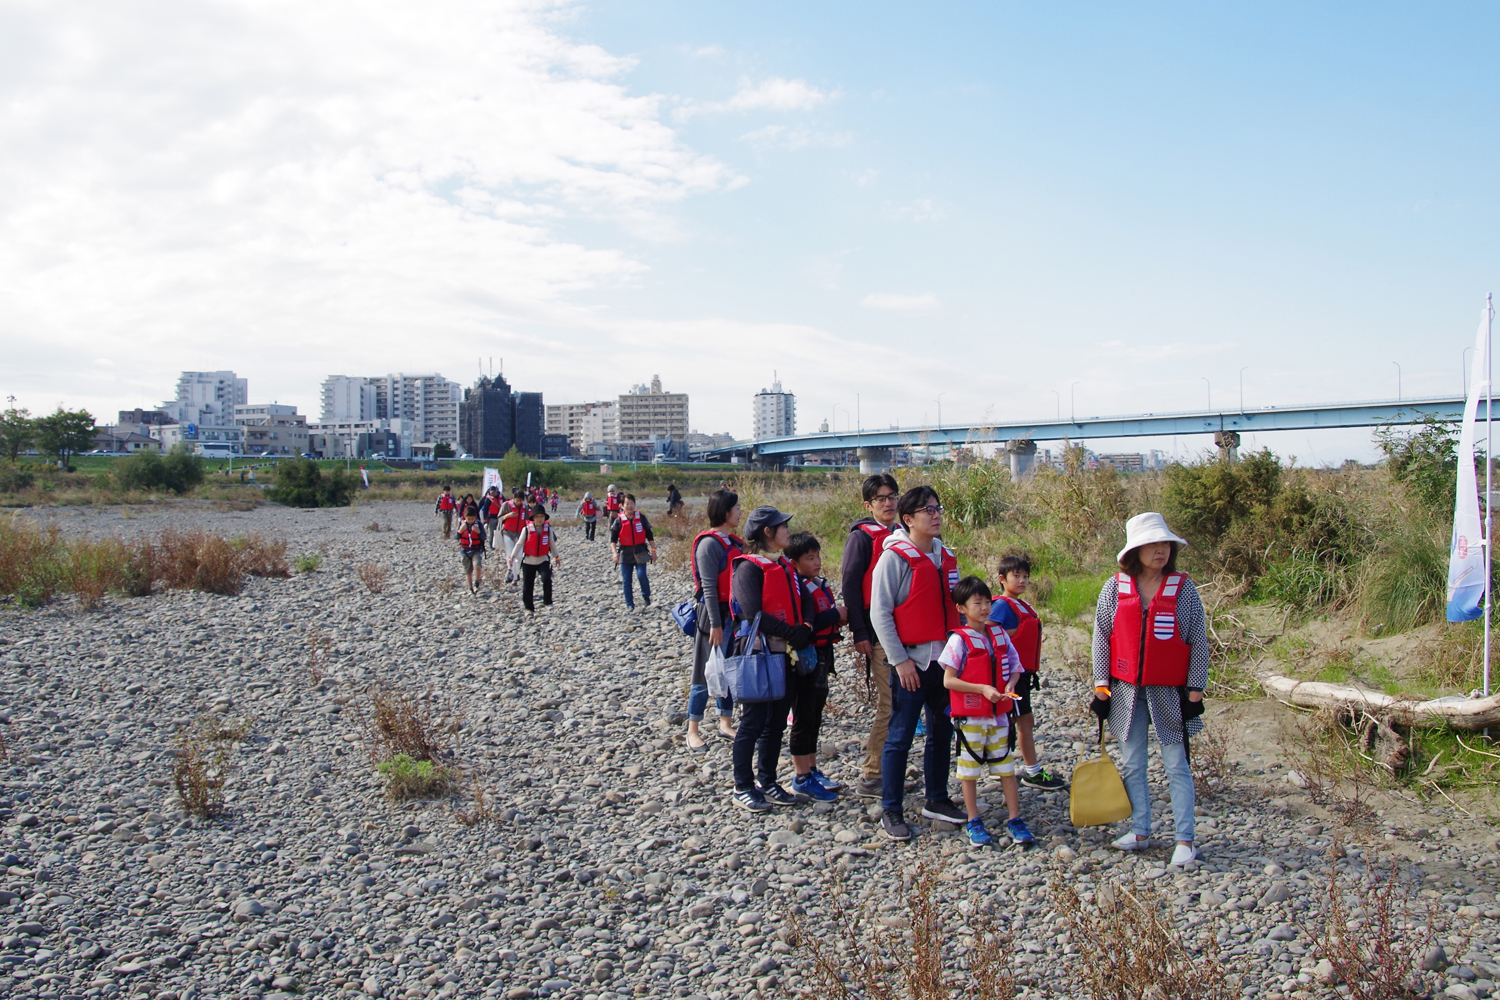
(861, 550)
(912, 612)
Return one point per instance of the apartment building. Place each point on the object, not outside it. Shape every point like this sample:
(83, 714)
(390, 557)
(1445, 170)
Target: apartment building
(586, 425)
(649, 416)
(272, 429)
(773, 413)
(207, 399)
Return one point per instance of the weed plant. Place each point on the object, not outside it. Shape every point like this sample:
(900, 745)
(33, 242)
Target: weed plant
(203, 763)
(373, 576)
(308, 562)
(409, 778)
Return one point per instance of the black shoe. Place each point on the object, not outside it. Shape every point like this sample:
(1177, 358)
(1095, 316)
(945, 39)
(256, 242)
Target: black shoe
(778, 796)
(944, 810)
(893, 825)
(1046, 782)
(751, 801)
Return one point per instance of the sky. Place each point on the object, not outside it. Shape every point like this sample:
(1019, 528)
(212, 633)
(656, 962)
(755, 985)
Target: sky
(965, 206)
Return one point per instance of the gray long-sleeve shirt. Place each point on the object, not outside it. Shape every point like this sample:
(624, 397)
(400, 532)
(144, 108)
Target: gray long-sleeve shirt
(890, 585)
(1164, 702)
(709, 558)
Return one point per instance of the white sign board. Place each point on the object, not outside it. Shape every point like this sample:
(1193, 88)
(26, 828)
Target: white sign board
(492, 478)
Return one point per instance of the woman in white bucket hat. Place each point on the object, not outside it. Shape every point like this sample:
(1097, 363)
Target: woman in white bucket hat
(1150, 669)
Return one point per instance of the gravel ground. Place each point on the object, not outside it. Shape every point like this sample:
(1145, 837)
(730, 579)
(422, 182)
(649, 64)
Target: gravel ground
(614, 864)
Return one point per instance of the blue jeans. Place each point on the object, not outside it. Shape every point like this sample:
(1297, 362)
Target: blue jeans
(640, 572)
(698, 703)
(1133, 772)
(906, 708)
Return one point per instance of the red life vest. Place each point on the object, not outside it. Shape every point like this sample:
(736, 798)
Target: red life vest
(492, 507)
(732, 545)
(878, 534)
(928, 614)
(539, 541)
(514, 513)
(632, 532)
(779, 596)
(470, 538)
(446, 501)
(981, 667)
(613, 502)
(589, 508)
(1155, 655)
(822, 601)
(1028, 634)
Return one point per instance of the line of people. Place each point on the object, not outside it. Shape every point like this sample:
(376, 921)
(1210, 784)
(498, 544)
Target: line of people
(523, 525)
(942, 646)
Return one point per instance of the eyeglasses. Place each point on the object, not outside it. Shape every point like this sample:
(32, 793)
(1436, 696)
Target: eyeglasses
(883, 498)
(933, 509)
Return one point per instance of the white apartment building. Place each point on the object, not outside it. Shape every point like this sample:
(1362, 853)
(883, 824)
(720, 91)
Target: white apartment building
(424, 405)
(347, 397)
(774, 413)
(585, 424)
(206, 440)
(207, 398)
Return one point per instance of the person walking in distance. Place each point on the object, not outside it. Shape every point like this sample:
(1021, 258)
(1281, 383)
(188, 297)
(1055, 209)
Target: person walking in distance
(634, 545)
(863, 547)
(489, 509)
(512, 520)
(613, 503)
(1024, 627)
(536, 550)
(446, 505)
(588, 509)
(912, 612)
(765, 588)
(713, 551)
(471, 548)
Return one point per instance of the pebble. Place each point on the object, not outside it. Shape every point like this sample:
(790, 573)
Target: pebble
(612, 863)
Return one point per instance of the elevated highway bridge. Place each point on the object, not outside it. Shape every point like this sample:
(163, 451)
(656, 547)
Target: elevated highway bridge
(1019, 438)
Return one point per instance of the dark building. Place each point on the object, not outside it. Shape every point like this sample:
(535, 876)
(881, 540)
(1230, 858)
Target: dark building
(487, 419)
(554, 446)
(531, 422)
(138, 416)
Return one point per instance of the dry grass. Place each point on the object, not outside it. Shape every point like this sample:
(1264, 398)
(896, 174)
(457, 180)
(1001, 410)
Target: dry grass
(481, 812)
(1212, 768)
(373, 575)
(204, 760)
(404, 723)
(940, 948)
(1333, 774)
(317, 654)
(1129, 948)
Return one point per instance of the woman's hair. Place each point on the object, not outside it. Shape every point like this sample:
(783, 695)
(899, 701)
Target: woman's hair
(1011, 563)
(801, 544)
(872, 485)
(539, 509)
(1130, 562)
(968, 587)
(756, 541)
(720, 503)
(914, 500)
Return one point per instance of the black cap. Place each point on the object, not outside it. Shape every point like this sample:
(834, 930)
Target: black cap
(762, 517)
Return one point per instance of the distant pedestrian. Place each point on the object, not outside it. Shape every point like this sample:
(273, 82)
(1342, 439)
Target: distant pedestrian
(588, 509)
(674, 501)
(446, 505)
(635, 547)
(471, 547)
(612, 504)
(536, 549)
(489, 509)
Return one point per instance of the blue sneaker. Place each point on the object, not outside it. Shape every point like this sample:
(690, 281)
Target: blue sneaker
(826, 781)
(1018, 832)
(809, 785)
(977, 834)
(921, 727)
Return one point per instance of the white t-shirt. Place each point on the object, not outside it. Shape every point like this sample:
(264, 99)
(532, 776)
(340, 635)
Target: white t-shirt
(955, 655)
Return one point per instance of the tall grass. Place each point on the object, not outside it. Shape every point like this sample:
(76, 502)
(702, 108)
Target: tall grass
(1402, 584)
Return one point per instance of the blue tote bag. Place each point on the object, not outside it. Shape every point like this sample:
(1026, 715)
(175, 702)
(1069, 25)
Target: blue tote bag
(756, 674)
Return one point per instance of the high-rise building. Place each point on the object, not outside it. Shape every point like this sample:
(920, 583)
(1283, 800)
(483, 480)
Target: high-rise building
(428, 400)
(774, 413)
(531, 422)
(585, 424)
(650, 417)
(488, 417)
(347, 397)
(207, 399)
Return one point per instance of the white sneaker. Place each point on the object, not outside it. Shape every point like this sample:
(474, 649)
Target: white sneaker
(1183, 854)
(1130, 842)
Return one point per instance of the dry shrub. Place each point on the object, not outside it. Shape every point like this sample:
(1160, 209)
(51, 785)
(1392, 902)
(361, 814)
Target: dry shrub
(675, 533)
(196, 560)
(373, 526)
(30, 561)
(1129, 949)
(481, 812)
(317, 653)
(445, 587)
(1375, 934)
(92, 569)
(203, 764)
(373, 575)
(1212, 767)
(937, 950)
(259, 557)
(403, 723)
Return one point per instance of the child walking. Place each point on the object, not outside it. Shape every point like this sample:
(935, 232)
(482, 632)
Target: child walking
(1024, 627)
(980, 670)
(471, 547)
(535, 550)
(811, 689)
(446, 505)
(588, 509)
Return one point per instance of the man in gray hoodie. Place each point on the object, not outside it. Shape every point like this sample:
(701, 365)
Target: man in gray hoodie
(905, 588)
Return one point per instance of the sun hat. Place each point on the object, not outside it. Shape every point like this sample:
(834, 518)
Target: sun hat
(764, 516)
(1143, 529)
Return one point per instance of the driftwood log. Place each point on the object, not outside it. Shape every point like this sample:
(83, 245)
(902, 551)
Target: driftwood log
(1460, 713)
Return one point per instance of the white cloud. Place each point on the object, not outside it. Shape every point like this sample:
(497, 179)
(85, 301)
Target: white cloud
(866, 177)
(921, 210)
(772, 94)
(902, 303)
(782, 137)
(708, 52)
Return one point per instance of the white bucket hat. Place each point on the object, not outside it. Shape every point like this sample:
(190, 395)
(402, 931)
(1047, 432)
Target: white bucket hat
(1143, 529)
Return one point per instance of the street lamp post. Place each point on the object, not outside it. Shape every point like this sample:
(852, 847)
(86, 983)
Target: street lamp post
(1398, 380)
(1210, 390)
(1059, 404)
(1242, 389)
(1072, 404)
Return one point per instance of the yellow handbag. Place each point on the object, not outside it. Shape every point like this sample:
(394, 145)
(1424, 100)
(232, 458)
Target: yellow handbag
(1098, 795)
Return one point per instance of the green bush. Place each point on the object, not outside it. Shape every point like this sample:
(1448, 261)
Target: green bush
(300, 483)
(14, 478)
(1403, 583)
(976, 495)
(1425, 460)
(1304, 581)
(409, 778)
(308, 563)
(178, 471)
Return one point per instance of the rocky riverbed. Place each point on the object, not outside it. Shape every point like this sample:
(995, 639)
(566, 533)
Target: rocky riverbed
(613, 865)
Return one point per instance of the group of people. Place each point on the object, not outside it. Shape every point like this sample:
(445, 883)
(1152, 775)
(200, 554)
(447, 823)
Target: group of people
(937, 645)
(632, 540)
(523, 526)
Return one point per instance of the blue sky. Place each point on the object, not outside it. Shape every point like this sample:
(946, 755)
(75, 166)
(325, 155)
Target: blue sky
(988, 201)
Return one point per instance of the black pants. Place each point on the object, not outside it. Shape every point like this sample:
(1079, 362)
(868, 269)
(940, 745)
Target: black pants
(588, 530)
(759, 735)
(529, 573)
(809, 694)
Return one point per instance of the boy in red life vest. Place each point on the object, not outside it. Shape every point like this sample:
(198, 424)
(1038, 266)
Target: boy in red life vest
(512, 520)
(446, 505)
(980, 670)
(489, 512)
(588, 509)
(862, 548)
(1024, 627)
(811, 690)
(471, 547)
(536, 548)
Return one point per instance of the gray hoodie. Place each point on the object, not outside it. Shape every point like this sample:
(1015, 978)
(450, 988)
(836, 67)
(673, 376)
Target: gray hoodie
(889, 586)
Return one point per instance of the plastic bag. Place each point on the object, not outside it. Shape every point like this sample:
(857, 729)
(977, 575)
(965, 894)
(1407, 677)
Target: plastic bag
(713, 673)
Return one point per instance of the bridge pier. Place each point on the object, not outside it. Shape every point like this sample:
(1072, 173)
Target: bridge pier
(1022, 454)
(1228, 443)
(873, 461)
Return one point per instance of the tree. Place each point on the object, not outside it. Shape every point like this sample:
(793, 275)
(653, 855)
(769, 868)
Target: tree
(17, 430)
(64, 434)
(515, 467)
(299, 483)
(179, 472)
(442, 449)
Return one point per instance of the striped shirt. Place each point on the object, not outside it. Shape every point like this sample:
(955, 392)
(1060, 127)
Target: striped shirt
(1164, 703)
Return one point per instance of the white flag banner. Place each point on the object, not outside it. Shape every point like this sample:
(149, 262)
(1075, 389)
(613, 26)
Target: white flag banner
(365, 476)
(492, 478)
(1466, 556)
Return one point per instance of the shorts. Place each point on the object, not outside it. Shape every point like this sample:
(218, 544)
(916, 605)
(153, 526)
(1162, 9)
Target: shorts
(1023, 692)
(986, 739)
(473, 561)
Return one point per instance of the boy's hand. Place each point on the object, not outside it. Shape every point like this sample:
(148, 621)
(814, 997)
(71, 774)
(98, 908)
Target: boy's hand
(993, 694)
(906, 672)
